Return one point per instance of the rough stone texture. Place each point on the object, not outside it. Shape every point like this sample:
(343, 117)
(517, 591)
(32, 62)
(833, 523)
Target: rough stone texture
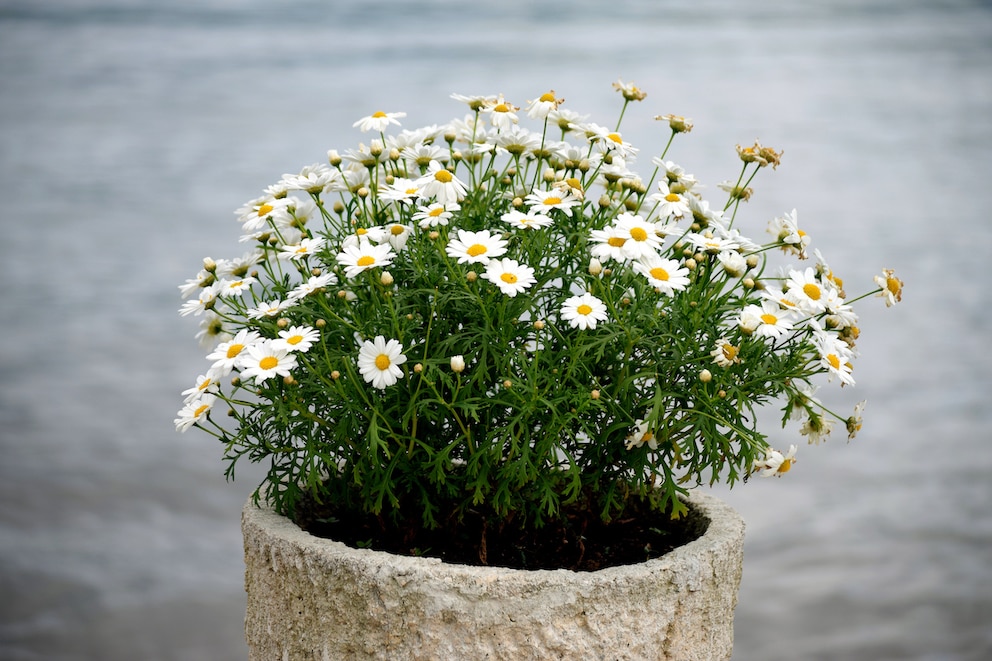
(312, 598)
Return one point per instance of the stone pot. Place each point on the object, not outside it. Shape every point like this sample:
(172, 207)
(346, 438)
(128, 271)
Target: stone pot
(313, 598)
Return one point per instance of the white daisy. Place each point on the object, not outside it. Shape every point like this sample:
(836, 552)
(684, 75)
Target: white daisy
(542, 201)
(891, 287)
(527, 221)
(296, 338)
(312, 285)
(774, 463)
(441, 184)
(203, 302)
(402, 190)
(378, 121)
(614, 142)
(542, 106)
(269, 309)
(312, 179)
(835, 356)
(364, 256)
(642, 237)
(193, 411)
(205, 383)
(227, 354)
(609, 243)
(725, 354)
(397, 235)
(805, 288)
(786, 230)
(501, 114)
(304, 248)
(509, 275)
(642, 434)
(666, 275)
(263, 360)
(435, 214)
(379, 361)
(767, 320)
(584, 311)
(475, 247)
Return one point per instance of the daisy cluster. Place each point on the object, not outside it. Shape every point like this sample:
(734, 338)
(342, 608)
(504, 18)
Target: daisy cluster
(467, 289)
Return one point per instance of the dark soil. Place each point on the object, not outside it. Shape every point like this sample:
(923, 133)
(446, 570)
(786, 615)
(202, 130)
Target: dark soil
(579, 540)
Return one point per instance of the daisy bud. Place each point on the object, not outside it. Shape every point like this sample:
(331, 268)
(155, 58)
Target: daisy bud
(595, 267)
(539, 325)
(450, 137)
(335, 375)
(363, 192)
(751, 261)
(282, 322)
(549, 175)
(604, 201)
(386, 278)
(471, 276)
(705, 376)
(320, 323)
(457, 364)
(722, 394)
(394, 154)
(433, 235)
(333, 157)
(690, 264)
(584, 165)
(338, 207)
(748, 283)
(209, 265)
(418, 368)
(508, 384)
(289, 380)
(517, 203)
(315, 271)
(594, 394)
(236, 381)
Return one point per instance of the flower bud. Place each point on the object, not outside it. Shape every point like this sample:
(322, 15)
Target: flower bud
(282, 322)
(386, 278)
(418, 368)
(457, 364)
(335, 375)
(595, 267)
(594, 394)
(539, 324)
(471, 276)
(705, 376)
(209, 265)
(320, 323)
(507, 383)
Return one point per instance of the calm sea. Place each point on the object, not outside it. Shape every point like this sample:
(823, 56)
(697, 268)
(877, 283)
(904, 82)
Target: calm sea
(131, 130)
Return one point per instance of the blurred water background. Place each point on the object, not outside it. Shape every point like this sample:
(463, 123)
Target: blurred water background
(132, 129)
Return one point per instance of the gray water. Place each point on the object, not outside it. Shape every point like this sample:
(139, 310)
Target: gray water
(131, 130)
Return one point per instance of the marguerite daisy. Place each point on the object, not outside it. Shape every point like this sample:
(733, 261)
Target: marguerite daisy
(475, 247)
(265, 360)
(509, 275)
(379, 361)
(364, 256)
(584, 311)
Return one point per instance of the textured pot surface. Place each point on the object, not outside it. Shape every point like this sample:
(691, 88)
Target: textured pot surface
(312, 598)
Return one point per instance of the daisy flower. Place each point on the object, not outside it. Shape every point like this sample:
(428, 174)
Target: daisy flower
(725, 354)
(402, 190)
(475, 247)
(397, 235)
(364, 256)
(304, 248)
(541, 201)
(542, 106)
(776, 464)
(312, 285)
(509, 275)
(420, 156)
(205, 383)
(806, 289)
(630, 91)
(854, 422)
(642, 434)
(786, 231)
(269, 309)
(677, 123)
(435, 214)
(476, 102)
(263, 360)
(379, 361)
(891, 287)
(670, 204)
(227, 354)
(312, 179)
(441, 184)
(835, 355)
(733, 263)
(526, 221)
(609, 243)
(583, 312)
(203, 302)
(666, 275)
(203, 279)
(642, 237)
(501, 114)
(614, 142)
(296, 338)
(767, 320)
(378, 121)
(193, 411)
(816, 428)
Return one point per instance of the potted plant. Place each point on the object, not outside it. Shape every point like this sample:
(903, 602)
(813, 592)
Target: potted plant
(502, 347)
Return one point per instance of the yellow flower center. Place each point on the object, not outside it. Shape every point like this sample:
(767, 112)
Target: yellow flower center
(265, 209)
(508, 278)
(833, 360)
(199, 411)
(769, 319)
(894, 285)
(476, 249)
(443, 176)
(302, 250)
(501, 107)
(659, 273)
(785, 466)
(204, 384)
(672, 197)
(616, 241)
(583, 309)
(382, 361)
(396, 230)
(434, 213)
(812, 291)
(234, 350)
(615, 137)
(574, 183)
(378, 114)
(410, 191)
(638, 234)
(547, 97)
(268, 362)
(361, 231)
(365, 260)
(550, 201)
(730, 351)
(294, 340)
(236, 284)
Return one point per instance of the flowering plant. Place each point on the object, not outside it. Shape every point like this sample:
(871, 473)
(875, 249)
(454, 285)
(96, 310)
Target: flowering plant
(480, 316)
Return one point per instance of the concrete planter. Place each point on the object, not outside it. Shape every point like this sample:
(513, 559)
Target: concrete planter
(312, 598)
